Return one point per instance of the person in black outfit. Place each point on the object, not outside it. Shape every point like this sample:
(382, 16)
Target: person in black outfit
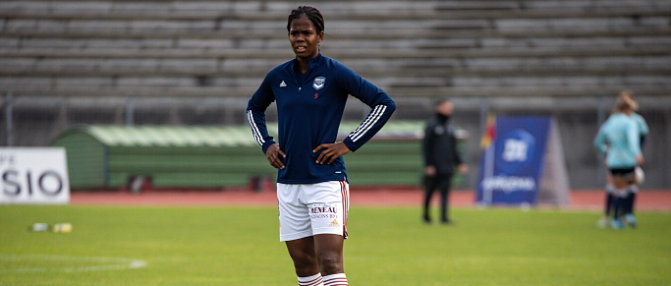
(440, 156)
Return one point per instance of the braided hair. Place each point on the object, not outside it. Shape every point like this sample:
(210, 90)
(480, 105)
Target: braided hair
(313, 15)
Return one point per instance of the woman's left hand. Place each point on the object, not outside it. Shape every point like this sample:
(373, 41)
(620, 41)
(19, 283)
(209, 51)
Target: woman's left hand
(331, 152)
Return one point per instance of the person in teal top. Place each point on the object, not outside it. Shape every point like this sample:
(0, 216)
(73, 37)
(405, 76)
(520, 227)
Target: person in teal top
(619, 139)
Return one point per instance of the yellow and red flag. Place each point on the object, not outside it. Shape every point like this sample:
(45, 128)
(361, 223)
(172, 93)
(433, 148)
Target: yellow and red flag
(490, 132)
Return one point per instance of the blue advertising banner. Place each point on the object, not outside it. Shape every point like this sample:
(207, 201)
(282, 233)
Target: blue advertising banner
(512, 164)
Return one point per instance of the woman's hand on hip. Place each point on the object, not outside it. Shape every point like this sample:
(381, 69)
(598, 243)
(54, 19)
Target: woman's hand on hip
(332, 151)
(273, 154)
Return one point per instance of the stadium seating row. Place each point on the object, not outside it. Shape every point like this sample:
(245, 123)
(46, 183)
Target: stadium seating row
(425, 48)
(242, 67)
(337, 28)
(344, 9)
(510, 45)
(390, 82)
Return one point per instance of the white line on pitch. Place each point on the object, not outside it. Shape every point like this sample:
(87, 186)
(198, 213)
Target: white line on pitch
(113, 263)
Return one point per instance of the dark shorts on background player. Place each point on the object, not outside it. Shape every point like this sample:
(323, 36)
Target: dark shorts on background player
(625, 173)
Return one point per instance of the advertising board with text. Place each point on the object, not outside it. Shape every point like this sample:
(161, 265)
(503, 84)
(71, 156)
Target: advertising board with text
(34, 176)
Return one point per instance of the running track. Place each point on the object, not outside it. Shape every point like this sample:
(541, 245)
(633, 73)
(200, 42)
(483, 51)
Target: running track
(648, 200)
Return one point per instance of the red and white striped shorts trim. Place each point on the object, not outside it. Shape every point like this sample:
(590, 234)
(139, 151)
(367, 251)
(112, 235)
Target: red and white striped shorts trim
(344, 189)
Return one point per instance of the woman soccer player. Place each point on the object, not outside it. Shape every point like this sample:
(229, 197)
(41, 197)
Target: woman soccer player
(312, 188)
(618, 137)
(632, 190)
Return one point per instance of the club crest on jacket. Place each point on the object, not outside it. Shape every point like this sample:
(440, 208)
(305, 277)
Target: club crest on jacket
(319, 82)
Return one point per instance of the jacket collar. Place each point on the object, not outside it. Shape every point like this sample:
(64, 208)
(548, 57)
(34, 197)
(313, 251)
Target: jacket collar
(311, 63)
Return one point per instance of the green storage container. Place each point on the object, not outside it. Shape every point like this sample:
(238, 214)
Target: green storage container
(173, 157)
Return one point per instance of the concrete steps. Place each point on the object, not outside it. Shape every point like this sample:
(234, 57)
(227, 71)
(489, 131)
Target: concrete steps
(410, 48)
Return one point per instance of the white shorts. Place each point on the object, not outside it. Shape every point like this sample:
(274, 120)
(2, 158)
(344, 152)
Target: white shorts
(310, 209)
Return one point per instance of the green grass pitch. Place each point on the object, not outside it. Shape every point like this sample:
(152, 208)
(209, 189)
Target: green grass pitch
(387, 246)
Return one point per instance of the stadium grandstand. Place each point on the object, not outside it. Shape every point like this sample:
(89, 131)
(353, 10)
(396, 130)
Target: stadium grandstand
(188, 63)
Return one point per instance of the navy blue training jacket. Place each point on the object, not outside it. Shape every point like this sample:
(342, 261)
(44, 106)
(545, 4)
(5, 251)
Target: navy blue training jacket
(310, 107)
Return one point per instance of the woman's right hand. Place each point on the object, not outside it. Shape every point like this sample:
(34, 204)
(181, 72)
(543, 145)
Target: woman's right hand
(273, 154)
